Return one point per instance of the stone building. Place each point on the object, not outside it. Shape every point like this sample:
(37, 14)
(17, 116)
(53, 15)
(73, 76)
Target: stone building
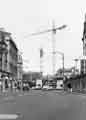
(19, 69)
(3, 53)
(8, 55)
(8, 58)
(12, 58)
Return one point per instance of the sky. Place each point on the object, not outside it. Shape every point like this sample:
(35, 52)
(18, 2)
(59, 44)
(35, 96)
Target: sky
(23, 17)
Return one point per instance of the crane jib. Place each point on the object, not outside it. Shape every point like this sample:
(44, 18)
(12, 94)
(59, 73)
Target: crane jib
(54, 31)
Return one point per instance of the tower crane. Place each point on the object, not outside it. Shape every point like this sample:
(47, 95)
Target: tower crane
(53, 30)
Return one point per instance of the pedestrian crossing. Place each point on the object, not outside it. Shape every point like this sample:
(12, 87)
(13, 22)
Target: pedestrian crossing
(8, 116)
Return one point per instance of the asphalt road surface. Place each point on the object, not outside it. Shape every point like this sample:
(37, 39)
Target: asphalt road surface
(44, 105)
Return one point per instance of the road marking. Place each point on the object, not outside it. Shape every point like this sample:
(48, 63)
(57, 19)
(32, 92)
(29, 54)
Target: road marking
(20, 95)
(8, 116)
(9, 98)
(26, 93)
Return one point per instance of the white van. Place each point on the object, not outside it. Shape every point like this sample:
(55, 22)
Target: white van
(59, 84)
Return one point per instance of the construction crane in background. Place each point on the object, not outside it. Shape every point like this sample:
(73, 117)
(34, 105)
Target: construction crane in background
(41, 61)
(53, 30)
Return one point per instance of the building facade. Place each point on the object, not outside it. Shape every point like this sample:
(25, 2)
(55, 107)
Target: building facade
(31, 76)
(83, 66)
(8, 59)
(19, 69)
(8, 55)
(12, 58)
(3, 54)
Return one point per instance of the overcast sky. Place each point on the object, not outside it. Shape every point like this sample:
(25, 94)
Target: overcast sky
(22, 17)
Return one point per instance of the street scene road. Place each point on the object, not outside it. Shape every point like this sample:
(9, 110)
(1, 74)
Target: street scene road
(42, 60)
(45, 105)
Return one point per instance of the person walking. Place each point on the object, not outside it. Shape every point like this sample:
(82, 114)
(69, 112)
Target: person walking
(69, 87)
(11, 86)
(1, 85)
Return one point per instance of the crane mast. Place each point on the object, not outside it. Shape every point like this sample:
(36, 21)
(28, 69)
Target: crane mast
(53, 48)
(53, 30)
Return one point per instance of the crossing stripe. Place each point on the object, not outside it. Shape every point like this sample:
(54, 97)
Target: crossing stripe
(8, 116)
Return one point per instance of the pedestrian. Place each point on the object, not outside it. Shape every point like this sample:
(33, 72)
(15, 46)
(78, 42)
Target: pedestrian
(11, 86)
(71, 90)
(0, 85)
(69, 87)
(15, 85)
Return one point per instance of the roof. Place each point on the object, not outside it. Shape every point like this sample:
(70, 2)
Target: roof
(14, 44)
(2, 30)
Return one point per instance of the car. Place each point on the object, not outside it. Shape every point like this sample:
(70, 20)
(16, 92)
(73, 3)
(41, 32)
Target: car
(50, 88)
(33, 88)
(38, 87)
(45, 87)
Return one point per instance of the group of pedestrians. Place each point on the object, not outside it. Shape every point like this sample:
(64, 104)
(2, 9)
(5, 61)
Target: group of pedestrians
(8, 84)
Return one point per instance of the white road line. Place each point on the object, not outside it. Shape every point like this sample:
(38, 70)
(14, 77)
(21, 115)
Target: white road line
(26, 93)
(20, 95)
(8, 98)
(8, 116)
(33, 94)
